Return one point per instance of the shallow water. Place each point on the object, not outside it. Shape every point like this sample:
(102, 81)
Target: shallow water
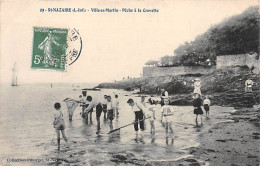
(26, 130)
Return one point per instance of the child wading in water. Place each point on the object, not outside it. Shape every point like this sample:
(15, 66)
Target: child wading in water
(167, 114)
(104, 106)
(98, 104)
(197, 102)
(206, 104)
(83, 100)
(89, 113)
(143, 103)
(59, 124)
(138, 109)
(117, 105)
(110, 112)
(151, 114)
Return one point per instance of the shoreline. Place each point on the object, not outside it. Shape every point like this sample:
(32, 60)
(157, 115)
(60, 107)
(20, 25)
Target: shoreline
(233, 141)
(231, 138)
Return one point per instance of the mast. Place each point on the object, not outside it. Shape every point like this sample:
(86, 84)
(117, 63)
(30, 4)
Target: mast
(14, 77)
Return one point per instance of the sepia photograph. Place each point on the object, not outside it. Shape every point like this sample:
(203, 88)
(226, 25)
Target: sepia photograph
(129, 83)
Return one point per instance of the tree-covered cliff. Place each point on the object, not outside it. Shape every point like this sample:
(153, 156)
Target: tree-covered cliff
(236, 35)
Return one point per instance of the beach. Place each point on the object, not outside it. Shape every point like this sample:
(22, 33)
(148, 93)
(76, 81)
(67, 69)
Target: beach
(232, 143)
(27, 133)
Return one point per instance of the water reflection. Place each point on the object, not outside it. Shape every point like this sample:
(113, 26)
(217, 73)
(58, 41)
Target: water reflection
(98, 139)
(138, 147)
(153, 140)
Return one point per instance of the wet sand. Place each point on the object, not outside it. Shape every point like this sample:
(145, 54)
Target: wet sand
(225, 139)
(235, 142)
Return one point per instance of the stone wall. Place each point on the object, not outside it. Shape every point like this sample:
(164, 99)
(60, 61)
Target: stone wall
(178, 70)
(250, 60)
(231, 60)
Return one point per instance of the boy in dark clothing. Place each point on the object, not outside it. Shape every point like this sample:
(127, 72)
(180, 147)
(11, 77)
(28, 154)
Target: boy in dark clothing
(197, 103)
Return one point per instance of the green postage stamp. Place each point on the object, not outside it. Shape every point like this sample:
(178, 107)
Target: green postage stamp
(49, 48)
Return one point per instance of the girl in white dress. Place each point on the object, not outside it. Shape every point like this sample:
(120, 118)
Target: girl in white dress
(151, 114)
(167, 116)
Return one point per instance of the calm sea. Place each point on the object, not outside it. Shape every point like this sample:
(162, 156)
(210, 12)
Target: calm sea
(26, 117)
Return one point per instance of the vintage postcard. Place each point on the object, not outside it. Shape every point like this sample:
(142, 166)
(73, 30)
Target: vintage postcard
(129, 83)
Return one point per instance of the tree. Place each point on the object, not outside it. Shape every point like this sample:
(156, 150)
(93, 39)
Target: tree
(152, 63)
(235, 35)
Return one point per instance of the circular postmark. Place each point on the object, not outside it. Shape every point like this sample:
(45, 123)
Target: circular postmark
(74, 46)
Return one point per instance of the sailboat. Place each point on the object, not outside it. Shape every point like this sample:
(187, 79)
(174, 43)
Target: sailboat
(14, 77)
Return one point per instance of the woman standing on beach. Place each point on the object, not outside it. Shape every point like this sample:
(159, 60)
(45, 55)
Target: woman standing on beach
(197, 86)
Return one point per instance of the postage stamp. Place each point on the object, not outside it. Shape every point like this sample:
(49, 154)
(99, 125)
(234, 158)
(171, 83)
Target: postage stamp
(49, 48)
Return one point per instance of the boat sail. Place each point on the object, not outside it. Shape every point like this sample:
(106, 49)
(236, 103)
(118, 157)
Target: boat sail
(14, 77)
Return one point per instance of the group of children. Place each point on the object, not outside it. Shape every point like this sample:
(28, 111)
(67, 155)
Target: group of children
(198, 102)
(143, 111)
(110, 108)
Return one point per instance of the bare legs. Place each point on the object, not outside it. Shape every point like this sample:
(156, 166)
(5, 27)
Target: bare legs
(207, 114)
(201, 119)
(70, 116)
(197, 119)
(117, 112)
(111, 124)
(86, 118)
(162, 121)
(98, 125)
(152, 127)
(58, 137)
(90, 117)
(168, 127)
(105, 116)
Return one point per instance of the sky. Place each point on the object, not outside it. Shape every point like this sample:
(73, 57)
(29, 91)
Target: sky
(114, 45)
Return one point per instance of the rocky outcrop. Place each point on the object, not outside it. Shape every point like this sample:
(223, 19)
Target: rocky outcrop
(225, 87)
(237, 99)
